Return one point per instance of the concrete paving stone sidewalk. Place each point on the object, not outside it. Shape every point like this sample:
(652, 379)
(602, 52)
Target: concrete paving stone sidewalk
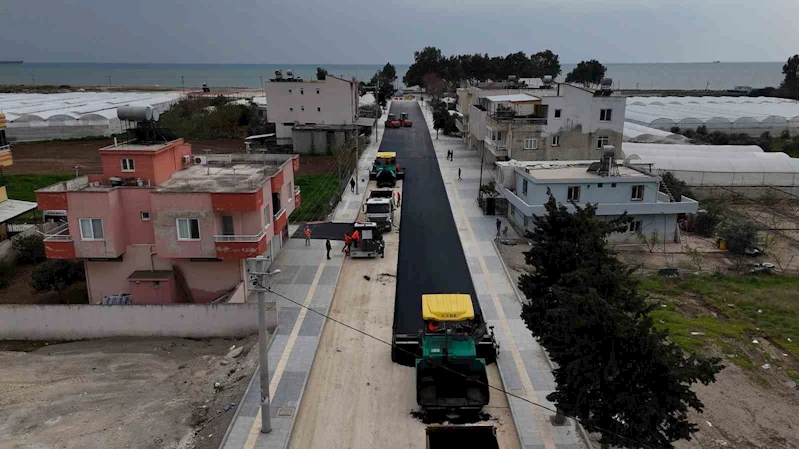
(308, 278)
(523, 365)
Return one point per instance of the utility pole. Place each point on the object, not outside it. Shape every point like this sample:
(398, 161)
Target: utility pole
(109, 80)
(707, 86)
(33, 77)
(257, 275)
(183, 84)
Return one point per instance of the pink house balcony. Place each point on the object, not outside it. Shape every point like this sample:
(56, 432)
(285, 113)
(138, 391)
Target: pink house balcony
(281, 221)
(58, 243)
(296, 197)
(241, 246)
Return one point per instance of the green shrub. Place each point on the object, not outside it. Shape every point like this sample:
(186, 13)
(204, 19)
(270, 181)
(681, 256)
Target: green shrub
(740, 236)
(29, 249)
(678, 187)
(57, 275)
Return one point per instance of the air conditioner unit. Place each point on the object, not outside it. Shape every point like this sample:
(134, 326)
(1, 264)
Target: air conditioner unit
(200, 160)
(186, 159)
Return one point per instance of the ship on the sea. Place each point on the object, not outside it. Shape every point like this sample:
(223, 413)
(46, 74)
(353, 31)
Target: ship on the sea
(11, 62)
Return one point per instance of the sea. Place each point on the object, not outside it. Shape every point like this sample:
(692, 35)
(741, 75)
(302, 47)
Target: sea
(701, 75)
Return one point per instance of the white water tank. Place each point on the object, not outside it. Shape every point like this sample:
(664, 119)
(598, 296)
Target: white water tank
(135, 113)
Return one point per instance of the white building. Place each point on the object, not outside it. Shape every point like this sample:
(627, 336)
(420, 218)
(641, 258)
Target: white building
(308, 112)
(526, 186)
(551, 122)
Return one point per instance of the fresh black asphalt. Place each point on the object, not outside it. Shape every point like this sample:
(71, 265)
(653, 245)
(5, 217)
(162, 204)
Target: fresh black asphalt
(431, 257)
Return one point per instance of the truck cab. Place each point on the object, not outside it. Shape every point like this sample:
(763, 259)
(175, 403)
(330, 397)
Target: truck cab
(381, 211)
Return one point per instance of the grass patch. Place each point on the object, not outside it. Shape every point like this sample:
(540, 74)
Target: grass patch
(319, 195)
(22, 187)
(736, 301)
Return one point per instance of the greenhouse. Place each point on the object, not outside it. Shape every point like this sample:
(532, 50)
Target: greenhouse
(723, 165)
(750, 115)
(74, 114)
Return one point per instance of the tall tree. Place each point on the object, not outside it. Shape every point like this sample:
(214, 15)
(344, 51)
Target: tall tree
(545, 63)
(517, 64)
(616, 373)
(321, 73)
(429, 60)
(587, 72)
(791, 72)
(386, 77)
(434, 86)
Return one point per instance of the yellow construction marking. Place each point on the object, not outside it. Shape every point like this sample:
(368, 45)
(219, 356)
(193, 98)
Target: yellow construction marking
(508, 342)
(255, 430)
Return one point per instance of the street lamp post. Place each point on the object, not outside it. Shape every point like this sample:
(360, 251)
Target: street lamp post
(256, 268)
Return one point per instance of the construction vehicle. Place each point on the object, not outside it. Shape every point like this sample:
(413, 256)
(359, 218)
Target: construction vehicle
(370, 243)
(392, 122)
(450, 374)
(405, 121)
(379, 208)
(385, 170)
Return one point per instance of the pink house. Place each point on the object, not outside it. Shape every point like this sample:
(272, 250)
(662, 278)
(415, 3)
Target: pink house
(165, 226)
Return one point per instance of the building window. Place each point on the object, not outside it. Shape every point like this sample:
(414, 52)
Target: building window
(557, 113)
(290, 124)
(524, 187)
(496, 136)
(227, 225)
(91, 229)
(145, 216)
(638, 193)
(605, 114)
(267, 216)
(599, 185)
(555, 141)
(613, 184)
(127, 164)
(318, 109)
(602, 141)
(188, 229)
(574, 194)
(636, 226)
(530, 143)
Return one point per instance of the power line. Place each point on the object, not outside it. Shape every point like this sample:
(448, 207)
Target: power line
(328, 317)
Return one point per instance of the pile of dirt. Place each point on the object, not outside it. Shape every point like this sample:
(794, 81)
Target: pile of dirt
(123, 392)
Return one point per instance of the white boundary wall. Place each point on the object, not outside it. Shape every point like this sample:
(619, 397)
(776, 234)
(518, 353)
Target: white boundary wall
(83, 321)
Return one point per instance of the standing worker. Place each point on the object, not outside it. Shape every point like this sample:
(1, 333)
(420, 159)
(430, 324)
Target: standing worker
(352, 185)
(459, 174)
(347, 242)
(328, 246)
(499, 225)
(307, 233)
(399, 198)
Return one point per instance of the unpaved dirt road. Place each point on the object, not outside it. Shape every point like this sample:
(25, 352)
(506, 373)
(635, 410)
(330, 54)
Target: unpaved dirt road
(356, 397)
(121, 393)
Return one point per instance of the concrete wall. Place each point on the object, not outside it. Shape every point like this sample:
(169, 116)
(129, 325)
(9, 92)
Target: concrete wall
(590, 192)
(72, 322)
(167, 208)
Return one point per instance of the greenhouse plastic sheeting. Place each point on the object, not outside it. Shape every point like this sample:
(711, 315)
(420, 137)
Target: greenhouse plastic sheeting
(775, 169)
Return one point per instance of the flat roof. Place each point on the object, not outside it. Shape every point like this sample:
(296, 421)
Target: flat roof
(236, 177)
(14, 208)
(513, 98)
(136, 146)
(581, 172)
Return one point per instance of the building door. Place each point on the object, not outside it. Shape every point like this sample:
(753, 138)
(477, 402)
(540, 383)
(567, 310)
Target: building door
(227, 225)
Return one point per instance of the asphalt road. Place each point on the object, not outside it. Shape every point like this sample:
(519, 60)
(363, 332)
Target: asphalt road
(431, 258)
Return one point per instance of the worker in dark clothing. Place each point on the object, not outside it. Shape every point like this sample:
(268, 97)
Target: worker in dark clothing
(499, 226)
(459, 174)
(352, 185)
(328, 246)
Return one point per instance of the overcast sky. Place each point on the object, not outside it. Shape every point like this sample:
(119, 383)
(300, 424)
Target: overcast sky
(361, 32)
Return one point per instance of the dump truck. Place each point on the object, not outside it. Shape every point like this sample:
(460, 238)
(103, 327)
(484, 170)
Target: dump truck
(379, 208)
(405, 121)
(371, 242)
(450, 371)
(385, 169)
(392, 122)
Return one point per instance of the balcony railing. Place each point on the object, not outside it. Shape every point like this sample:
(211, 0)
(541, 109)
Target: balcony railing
(241, 238)
(279, 213)
(5, 148)
(463, 126)
(495, 145)
(59, 234)
(296, 190)
(528, 119)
